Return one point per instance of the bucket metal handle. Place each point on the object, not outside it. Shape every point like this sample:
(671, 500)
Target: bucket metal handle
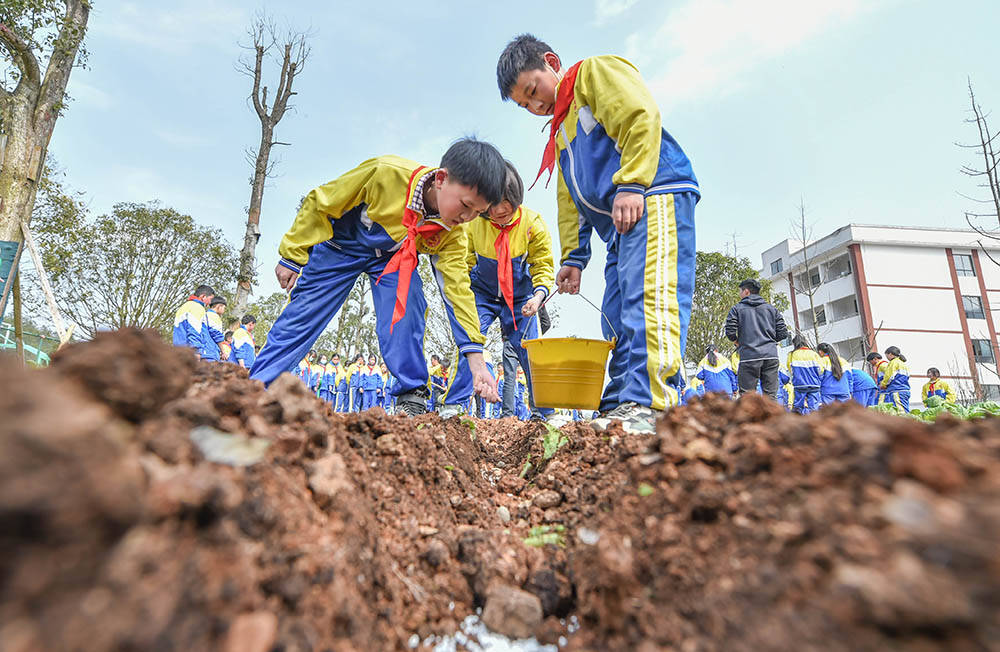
(549, 298)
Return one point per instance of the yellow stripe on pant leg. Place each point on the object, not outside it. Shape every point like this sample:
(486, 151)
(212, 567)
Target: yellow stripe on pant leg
(660, 299)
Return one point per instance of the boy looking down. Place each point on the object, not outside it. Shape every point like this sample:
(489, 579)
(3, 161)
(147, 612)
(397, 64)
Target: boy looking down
(375, 220)
(623, 175)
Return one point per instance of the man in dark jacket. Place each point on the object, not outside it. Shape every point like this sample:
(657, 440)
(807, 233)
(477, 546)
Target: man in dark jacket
(756, 327)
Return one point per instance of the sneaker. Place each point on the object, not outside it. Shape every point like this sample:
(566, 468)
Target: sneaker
(557, 420)
(412, 403)
(635, 419)
(450, 410)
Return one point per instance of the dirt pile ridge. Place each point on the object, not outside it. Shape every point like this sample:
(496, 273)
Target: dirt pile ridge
(735, 527)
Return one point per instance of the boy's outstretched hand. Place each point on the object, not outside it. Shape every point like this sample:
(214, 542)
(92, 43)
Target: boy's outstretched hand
(568, 279)
(627, 209)
(286, 277)
(482, 382)
(532, 305)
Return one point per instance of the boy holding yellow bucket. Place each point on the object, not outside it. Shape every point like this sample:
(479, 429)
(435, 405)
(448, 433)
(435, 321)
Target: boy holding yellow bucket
(511, 274)
(623, 175)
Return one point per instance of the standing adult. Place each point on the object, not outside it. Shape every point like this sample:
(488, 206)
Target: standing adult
(756, 327)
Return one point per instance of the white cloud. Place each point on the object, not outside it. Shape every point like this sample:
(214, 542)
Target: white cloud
(176, 27)
(710, 45)
(605, 10)
(89, 95)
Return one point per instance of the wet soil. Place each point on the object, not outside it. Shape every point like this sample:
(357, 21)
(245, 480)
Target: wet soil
(735, 527)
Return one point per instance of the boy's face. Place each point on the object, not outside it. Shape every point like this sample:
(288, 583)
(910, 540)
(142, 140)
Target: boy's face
(502, 213)
(219, 308)
(456, 202)
(336, 360)
(371, 361)
(535, 90)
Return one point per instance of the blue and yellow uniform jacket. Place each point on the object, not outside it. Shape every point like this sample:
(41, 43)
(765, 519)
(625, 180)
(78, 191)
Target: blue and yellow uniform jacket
(530, 256)
(436, 377)
(332, 377)
(805, 368)
(190, 328)
(896, 377)
(214, 335)
(718, 377)
(316, 372)
(861, 381)
(611, 141)
(243, 347)
(354, 376)
(937, 388)
(371, 378)
(830, 385)
(361, 212)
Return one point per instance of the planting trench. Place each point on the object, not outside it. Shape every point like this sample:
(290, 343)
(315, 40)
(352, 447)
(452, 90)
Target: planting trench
(735, 527)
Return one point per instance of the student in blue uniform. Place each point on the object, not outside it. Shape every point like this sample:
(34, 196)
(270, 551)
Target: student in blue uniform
(835, 380)
(864, 389)
(895, 383)
(806, 371)
(190, 328)
(878, 365)
(357, 392)
(371, 383)
(716, 373)
(622, 175)
(936, 387)
(693, 390)
(244, 349)
(214, 330)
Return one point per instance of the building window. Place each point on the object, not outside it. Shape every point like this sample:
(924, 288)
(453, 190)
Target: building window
(973, 307)
(991, 392)
(821, 316)
(776, 267)
(982, 350)
(964, 266)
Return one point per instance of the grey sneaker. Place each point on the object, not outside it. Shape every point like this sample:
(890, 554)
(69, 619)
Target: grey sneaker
(413, 403)
(557, 420)
(635, 419)
(449, 410)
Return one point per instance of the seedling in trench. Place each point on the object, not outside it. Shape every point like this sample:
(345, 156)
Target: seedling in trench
(552, 441)
(544, 535)
(646, 489)
(526, 467)
(449, 467)
(471, 425)
(421, 426)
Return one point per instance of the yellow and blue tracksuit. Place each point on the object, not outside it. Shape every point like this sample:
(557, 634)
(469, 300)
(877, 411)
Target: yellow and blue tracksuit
(531, 260)
(939, 388)
(695, 389)
(832, 389)
(316, 372)
(612, 141)
(352, 226)
(356, 390)
(786, 391)
(341, 390)
(190, 328)
(719, 377)
(879, 376)
(243, 347)
(864, 389)
(328, 383)
(806, 370)
(214, 335)
(371, 382)
(436, 383)
(895, 385)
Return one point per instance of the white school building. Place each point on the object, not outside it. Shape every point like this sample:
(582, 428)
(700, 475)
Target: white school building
(929, 291)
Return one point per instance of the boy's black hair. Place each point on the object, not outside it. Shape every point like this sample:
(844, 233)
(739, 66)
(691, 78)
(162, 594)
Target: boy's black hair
(228, 336)
(750, 284)
(513, 188)
(203, 290)
(478, 165)
(524, 52)
(874, 355)
(248, 319)
(217, 301)
(934, 371)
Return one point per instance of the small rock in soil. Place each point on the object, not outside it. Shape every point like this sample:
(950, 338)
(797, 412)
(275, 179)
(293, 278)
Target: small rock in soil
(512, 612)
(546, 499)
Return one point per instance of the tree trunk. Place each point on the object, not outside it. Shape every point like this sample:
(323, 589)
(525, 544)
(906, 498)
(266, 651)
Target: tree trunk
(248, 255)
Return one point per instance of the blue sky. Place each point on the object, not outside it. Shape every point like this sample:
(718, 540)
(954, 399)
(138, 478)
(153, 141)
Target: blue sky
(852, 105)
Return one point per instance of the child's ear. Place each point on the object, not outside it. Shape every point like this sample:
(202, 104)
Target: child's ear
(552, 59)
(440, 176)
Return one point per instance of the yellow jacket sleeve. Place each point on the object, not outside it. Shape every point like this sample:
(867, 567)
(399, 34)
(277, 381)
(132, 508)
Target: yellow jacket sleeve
(470, 250)
(540, 256)
(613, 89)
(949, 393)
(574, 230)
(312, 224)
(450, 259)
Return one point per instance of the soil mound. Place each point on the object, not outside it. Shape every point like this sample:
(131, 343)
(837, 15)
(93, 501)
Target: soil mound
(148, 501)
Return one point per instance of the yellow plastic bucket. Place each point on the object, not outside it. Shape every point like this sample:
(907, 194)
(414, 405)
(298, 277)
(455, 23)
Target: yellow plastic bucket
(567, 372)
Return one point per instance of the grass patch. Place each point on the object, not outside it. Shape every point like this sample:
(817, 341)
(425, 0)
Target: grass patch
(545, 535)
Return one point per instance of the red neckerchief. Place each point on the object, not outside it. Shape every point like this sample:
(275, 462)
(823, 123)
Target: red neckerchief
(505, 268)
(405, 259)
(930, 387)
(564, 97)
(194, 297)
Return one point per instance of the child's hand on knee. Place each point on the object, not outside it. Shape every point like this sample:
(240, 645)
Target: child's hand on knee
(627, 209)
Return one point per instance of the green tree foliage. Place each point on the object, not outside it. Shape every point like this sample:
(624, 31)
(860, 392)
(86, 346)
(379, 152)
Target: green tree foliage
(133, 267)
(266, 310)
(716, 290)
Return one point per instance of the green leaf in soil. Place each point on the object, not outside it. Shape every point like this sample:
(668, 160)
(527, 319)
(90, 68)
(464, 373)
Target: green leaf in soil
(646, 489)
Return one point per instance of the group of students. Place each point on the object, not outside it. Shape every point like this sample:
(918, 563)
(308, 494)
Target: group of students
(819, 376)
(198, 325)
(351, 388)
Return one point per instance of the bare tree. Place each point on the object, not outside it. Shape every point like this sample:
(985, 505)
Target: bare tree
(803, 230)
(292, 50)
(35, 36)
